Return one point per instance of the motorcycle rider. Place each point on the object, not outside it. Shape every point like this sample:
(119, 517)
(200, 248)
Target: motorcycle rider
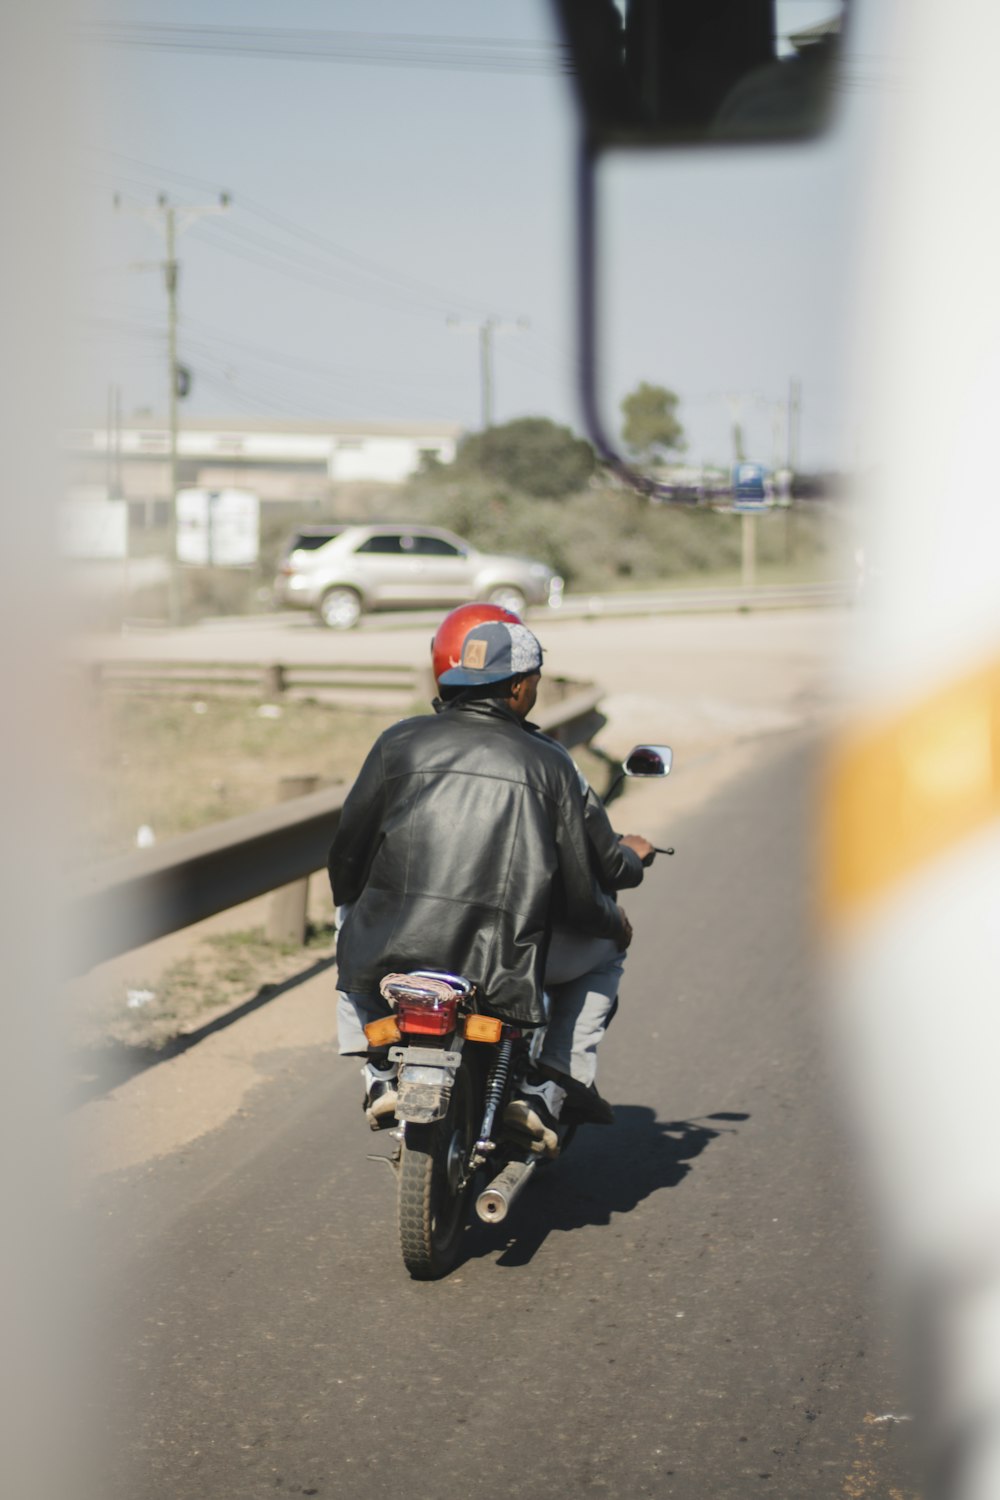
(583, 968)
(582, 973)
(458, 835)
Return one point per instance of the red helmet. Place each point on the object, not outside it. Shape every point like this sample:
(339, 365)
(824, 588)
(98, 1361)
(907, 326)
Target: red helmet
(449, 638)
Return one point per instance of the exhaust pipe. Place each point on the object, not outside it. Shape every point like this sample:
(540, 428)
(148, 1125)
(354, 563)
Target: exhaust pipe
(494, 1203)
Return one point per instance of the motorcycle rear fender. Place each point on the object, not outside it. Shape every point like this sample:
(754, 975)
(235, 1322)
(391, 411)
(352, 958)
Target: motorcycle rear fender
(426, 1078)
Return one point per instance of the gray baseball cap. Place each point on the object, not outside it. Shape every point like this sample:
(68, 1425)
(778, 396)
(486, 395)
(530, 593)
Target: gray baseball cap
(493, 652)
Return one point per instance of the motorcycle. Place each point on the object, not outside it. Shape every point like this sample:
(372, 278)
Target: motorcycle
(459, 1065)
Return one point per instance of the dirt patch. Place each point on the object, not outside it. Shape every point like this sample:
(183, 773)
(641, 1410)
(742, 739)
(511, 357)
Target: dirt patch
(148, 1001)
(158, 1110)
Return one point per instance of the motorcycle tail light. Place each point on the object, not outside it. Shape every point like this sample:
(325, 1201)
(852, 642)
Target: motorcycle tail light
(483, 1028)
(383, 1031)
(427, 1015)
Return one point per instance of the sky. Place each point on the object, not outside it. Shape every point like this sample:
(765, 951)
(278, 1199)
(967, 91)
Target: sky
(389, 192)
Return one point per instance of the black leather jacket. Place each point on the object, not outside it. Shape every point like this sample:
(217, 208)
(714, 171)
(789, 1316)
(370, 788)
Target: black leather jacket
(618, 867)
(462, 839)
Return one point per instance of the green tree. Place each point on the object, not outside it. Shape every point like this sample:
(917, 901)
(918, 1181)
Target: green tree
(531, 455)
(650, 425)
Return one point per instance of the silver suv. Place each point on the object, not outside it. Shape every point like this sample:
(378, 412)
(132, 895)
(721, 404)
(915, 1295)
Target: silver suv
(342, 571)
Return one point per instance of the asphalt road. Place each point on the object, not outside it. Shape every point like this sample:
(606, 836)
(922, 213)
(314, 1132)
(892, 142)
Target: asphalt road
(686, 1306)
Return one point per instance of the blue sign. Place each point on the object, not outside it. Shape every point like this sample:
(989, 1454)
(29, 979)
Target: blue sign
(751, 487)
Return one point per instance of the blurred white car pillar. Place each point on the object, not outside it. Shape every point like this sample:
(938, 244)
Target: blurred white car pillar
(912, 802)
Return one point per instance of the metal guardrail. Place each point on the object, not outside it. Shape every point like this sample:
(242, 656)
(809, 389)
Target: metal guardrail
(712, 600)
(137, 898)
(272, 679)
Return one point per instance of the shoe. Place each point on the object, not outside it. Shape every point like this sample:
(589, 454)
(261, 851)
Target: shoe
(535, 1114)
(584, 1105)
(380, 1095)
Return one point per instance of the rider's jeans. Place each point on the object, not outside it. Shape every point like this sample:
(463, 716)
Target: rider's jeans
(582, 977)
(354, 1011)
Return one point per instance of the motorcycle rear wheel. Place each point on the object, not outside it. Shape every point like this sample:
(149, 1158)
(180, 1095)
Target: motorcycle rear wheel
(432, 1204)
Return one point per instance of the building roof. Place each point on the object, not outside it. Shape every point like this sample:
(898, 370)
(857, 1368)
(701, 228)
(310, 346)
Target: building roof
(152, 423)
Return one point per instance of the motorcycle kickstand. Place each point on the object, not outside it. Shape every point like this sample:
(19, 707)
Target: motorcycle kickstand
(393, 1160)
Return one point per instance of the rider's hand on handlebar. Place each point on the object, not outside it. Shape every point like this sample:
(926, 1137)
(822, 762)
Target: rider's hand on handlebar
(626, 937)
(635, 841)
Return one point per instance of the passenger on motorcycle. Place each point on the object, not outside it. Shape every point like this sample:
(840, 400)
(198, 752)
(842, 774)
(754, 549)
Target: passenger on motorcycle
(462, 839)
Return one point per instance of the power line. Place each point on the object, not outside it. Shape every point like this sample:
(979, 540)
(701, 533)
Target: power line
(268, 400)
(300, 365)
(301, 388)
(323, 280)
(363, 262)
(259, 250)
(201, 342)
(122, 328)
(468, 54)
(204, 349)
(399, 281)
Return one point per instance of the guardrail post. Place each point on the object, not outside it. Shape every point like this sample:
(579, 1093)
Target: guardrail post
(286, 920)
(272, 683)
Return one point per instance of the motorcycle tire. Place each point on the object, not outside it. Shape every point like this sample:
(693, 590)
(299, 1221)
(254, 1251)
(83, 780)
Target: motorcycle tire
(432, 1203)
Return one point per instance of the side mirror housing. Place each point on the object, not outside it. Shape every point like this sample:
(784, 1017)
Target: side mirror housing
(648, 760)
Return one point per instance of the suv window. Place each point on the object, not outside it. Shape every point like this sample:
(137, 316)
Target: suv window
(436, 546)
(393, 545)
(308, 541)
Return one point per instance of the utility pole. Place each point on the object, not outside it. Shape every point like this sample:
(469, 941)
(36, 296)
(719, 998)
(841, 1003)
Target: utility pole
(748, 521)
(486, 373)
(794, 418)
(170, 272)
(117, 466)
(172, 220)
(109, 451)
(777, 433)
(486, 330)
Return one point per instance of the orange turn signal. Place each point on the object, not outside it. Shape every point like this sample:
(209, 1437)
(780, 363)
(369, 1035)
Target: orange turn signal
(483, 1028)
(383, 1031)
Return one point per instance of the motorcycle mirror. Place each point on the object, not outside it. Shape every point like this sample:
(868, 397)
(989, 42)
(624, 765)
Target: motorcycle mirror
(695, 72)
(699, 74)
(648, 760)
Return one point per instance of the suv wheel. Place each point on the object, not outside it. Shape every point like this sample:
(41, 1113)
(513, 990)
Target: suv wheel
(340, 609)
(508, 597)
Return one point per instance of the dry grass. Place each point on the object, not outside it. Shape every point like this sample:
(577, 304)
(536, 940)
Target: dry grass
(176, 764)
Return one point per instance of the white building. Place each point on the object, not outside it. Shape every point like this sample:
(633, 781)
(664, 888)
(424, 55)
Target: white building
(280, 461)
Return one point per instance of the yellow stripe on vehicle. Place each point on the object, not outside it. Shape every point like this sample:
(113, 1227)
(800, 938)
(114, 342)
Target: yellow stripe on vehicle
(899, 794)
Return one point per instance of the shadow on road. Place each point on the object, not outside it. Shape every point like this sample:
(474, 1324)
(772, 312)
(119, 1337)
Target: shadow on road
(605, 1172)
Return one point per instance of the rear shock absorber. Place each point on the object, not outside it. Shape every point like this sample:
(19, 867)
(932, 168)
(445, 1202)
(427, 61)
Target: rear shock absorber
(496, 1086)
